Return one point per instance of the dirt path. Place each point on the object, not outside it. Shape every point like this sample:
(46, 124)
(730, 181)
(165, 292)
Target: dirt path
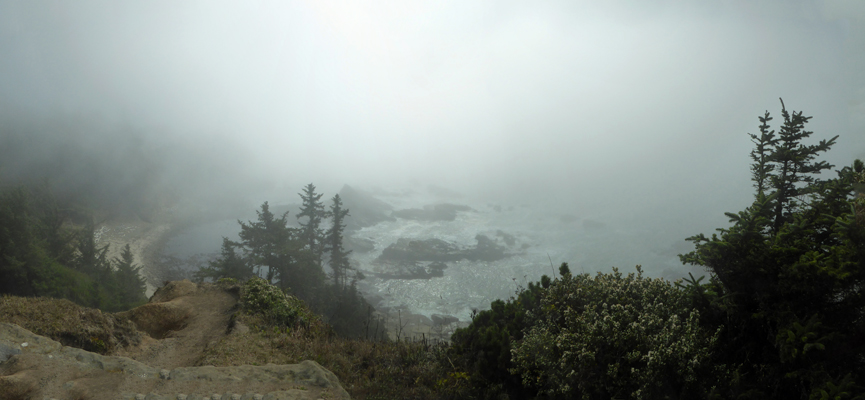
(183, 320)
(196, 319)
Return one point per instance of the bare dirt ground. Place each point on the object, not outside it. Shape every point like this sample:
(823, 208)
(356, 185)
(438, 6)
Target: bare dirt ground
(182, 321)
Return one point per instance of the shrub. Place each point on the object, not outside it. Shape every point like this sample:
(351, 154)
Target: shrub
(280, 309)
(482, 351)
(615, 337)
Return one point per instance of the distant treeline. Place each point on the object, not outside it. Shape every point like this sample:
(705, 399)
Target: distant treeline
(43, 254)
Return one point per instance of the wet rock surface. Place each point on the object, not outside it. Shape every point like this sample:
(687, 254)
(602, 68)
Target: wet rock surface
(364, 209)
(436, 212)
(414, 250)
(413, 270)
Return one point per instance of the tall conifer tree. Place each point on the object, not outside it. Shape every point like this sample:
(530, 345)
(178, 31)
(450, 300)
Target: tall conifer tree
(339, 262)
(788, 275)
(228, 265)
(311, 233)
(265, 242)
(131, 286)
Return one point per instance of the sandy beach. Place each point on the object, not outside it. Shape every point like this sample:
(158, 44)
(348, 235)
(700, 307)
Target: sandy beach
(145, 239)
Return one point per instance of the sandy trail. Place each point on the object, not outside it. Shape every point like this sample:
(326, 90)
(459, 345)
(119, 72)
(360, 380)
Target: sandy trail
(202, 317)
(184, 320)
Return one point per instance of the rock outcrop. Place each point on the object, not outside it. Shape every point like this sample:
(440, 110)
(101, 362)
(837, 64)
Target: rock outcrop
(181, 320)
(363, 209)
(409, 250)
(436, 212)
(33, 366)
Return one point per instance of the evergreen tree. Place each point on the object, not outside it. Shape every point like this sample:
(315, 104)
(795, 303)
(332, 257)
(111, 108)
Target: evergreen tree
(131, 286)
(265, 240)
(228, 265)
(21, 252)
(311, 233)
(90, 258)
(339, 262)
(788, 282)
(31, 262)
(270, 243)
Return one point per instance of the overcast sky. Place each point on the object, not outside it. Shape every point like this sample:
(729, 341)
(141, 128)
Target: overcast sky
(639, 105)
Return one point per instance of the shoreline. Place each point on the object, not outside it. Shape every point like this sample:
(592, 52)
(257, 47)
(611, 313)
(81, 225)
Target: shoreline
(145, 240)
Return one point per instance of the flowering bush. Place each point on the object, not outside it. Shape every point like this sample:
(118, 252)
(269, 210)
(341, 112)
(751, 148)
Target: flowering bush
(260, 297)
(615, 337)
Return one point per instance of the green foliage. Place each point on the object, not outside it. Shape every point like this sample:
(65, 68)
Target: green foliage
(482, 350)
(311, 233)
(788, 275)
(291, 259)
(228, 266)
(280, 309)
(41, 255)
(615, 337)
(347, 312)
(130, 284)
(339, 262)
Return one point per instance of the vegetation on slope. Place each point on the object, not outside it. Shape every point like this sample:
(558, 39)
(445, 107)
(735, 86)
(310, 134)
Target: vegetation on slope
(294, 259)
(43, 254)
(780, 316)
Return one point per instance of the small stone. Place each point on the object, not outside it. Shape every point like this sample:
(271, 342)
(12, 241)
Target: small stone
(140, 396)
(181, 397)
(25, 344)
(164, 373)
(235, 397)
(216, 396)
(257, 397)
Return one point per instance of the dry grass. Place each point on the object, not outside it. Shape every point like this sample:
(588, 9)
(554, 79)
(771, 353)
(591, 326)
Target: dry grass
(367, 370)
(69, 323)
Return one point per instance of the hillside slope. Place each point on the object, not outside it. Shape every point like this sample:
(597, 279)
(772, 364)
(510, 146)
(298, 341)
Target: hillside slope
(157, 348)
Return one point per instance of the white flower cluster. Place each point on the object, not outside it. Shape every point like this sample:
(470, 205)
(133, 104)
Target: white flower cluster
(613, 336)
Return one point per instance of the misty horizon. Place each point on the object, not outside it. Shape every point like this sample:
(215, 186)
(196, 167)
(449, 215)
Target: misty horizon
(629, 111)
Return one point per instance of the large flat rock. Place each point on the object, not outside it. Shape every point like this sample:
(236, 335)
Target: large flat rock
(33, 366)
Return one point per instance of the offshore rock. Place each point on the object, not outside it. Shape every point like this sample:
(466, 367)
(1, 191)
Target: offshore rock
(409, 250)
(437, 212)
(364, 209)
(34, 366)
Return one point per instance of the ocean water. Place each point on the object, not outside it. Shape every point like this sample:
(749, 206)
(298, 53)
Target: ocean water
(543, 240)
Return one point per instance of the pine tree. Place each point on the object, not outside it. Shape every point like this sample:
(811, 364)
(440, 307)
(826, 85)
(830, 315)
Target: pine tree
(131, 285)
(311, 233)
(228, 265)
(788, 277)
(21, 251)
(265, 241)
(339, 262)
(90, 258)
(794, 166)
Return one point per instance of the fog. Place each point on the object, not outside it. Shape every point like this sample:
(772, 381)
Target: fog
(632, 111)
